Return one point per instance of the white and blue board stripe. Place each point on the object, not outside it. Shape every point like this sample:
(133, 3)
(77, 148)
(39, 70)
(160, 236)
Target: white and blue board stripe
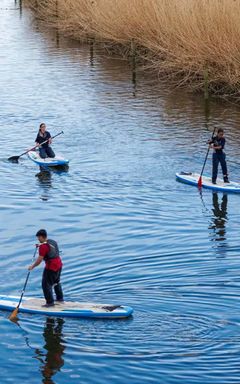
(192, 179)
(67, 309)
(48, 162)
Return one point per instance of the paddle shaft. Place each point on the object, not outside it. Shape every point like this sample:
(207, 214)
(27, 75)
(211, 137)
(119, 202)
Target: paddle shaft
(206, 155)
(26, 281)
(24, 153)
(15, 158)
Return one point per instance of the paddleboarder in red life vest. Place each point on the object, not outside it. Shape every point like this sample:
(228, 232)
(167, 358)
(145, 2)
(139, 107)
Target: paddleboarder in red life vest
(217, 143)
(49, 252)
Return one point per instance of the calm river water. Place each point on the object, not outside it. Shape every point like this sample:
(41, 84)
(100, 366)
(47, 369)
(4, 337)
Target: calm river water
(128, 231)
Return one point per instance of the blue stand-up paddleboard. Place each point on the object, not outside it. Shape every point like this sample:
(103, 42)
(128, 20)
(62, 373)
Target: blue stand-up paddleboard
(192, 179)
(48, 162)
(34, 305)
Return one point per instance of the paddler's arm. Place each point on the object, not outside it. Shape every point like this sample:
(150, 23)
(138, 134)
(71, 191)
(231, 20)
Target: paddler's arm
(49, 139)
(36, 141)
(36, 263)
(211, 145)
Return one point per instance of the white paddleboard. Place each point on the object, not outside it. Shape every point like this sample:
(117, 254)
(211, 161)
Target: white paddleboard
(192, 179)
(49, 161)
(34, 305)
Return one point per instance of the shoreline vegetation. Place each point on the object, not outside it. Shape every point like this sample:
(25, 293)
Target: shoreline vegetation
(185, 42)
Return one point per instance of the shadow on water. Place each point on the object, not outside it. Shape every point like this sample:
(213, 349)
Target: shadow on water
(91, 58)
(219, 219)
(45, 178)
(51, 358)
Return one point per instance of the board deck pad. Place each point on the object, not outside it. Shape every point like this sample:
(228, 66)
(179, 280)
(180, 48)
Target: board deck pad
(50, 162)
(192, 179)
(65, 309)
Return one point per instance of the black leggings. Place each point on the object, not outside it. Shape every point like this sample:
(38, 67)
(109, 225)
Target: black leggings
(216, 159)
(46, 152)
(50, 280)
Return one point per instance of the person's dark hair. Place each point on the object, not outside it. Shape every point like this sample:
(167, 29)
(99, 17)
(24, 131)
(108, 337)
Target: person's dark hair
(40, 126)
(41, 232)
(220, 130)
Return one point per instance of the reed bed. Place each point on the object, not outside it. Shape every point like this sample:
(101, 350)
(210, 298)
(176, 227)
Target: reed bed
(194, 42)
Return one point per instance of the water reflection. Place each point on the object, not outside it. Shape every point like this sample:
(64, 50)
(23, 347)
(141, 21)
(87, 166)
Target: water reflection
(51, 359)
(219, 218)
(91, 44)
(45, 180)
(20, 7)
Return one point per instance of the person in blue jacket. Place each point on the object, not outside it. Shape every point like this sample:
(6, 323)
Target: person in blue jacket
(44, 150)
(217, 143)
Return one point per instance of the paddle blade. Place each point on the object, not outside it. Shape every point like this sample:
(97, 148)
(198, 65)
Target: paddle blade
(13, 159)
(200, 182)
(13, 316)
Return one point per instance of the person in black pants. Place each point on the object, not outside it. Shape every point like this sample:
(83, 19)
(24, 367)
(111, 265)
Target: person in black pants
(217, 144)
(49, 252)
(44, 150)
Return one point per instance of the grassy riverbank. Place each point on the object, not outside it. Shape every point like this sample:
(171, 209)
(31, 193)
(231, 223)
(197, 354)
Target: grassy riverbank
(185, 41)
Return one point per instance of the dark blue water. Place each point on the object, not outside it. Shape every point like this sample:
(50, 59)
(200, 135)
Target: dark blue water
(129, 232)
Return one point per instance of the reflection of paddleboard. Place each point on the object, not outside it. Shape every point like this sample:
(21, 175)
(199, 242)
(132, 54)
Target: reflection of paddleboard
(66, 309)
(192, 178)
(48, 162)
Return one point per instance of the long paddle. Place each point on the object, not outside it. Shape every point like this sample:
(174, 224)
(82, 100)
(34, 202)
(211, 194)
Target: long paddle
(15, 159)
(14, 313)
(200, 177)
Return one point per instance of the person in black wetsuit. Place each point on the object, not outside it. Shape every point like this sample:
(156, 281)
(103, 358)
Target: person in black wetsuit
(217, 144)
(44, 150)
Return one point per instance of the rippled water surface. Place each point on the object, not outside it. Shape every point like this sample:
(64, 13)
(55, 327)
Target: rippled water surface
(128, 231)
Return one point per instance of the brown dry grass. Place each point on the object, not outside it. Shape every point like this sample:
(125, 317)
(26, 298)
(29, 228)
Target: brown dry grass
(181, 39)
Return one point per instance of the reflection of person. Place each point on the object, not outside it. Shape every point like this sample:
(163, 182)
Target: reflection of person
(45, 180)
(44, 177)
(44, 150)
(218, 143)
(220, 215)
(49, 252)
(53, 360)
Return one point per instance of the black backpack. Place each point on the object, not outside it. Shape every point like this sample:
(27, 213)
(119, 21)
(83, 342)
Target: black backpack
(53, 251)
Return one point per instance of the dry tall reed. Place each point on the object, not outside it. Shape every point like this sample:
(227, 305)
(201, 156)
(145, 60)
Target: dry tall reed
(181, 39)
